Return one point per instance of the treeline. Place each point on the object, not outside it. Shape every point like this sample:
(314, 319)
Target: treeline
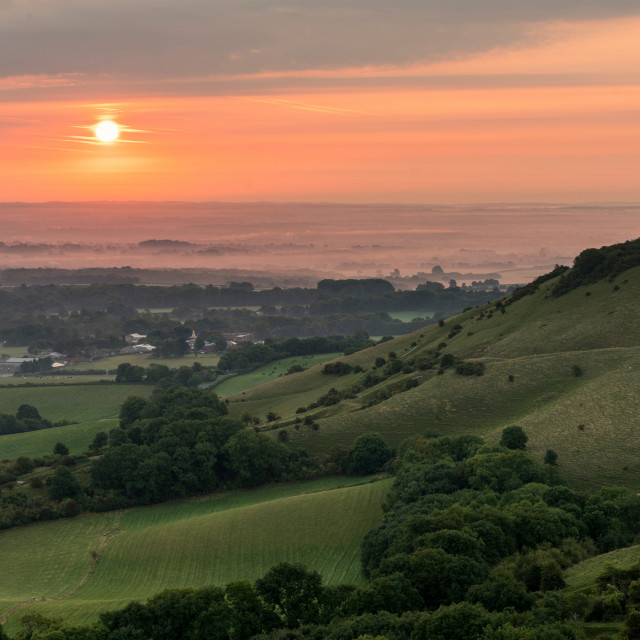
(27, 418)
(256, 355)
(74, 320)
(179, 443)
(593, 265)
(473, 546)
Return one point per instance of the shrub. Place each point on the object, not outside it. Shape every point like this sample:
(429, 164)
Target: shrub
(550, 457)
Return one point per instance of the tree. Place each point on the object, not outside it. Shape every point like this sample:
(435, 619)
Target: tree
(369, 452)
(26, 411)
(514, 438)
(550, 457)
(131, 410)
(61, 449)
(99, 441)
(293, 592)
(24, 465)
(254, 458)
(129, 373)
(64, 485)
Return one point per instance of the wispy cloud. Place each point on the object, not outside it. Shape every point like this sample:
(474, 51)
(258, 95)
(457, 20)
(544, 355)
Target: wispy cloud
(164, 38)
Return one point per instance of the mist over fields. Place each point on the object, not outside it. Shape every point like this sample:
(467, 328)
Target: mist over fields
(511, 243)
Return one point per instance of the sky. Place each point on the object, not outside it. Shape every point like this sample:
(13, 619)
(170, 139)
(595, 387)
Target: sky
(354, 101)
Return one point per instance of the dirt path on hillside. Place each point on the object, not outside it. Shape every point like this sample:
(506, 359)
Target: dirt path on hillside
(95, 559)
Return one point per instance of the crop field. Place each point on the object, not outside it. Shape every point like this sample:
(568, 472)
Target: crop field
(77, 402)
(190, 543)
(39, 443)
(271, 371)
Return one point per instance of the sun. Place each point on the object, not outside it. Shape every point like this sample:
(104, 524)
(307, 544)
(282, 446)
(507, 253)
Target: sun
(107, 131)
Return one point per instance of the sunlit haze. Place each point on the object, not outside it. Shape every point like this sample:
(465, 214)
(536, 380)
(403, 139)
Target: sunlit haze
(346, 102)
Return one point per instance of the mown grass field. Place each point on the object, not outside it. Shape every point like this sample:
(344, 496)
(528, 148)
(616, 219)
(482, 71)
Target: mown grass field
(271, 371)
(588, 419)
(190, 543)
(38, 443)
(77, 402)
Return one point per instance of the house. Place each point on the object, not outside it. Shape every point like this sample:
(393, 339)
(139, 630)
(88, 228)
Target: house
(134, 338)
(142, 348)
(238, 337)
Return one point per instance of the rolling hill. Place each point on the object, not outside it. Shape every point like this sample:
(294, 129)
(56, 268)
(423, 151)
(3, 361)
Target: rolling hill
(564, 367)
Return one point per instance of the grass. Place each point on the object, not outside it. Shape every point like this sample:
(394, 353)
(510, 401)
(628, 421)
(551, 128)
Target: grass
(408, 316)
(77, 402)
(145, 360)
(583, 575)
(189, 543)
(271, 371)
(589, 420)
(39, 443)
(14, 352)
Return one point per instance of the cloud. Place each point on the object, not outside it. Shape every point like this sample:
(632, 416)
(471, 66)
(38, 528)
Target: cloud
(191, 38)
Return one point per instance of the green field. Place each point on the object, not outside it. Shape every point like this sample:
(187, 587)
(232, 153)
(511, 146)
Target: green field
(271, 371)
(190, 543)
(408, 316)
(145, 360)
(583, 575)
(14, 352)
(77, 402)
(38, 443)
(590, 420)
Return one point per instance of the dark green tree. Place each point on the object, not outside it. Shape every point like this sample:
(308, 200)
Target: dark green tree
(99, 441)
(369, 452)
(514, 438)
(64, 485)
(61, 449)
(131, 410)
(293, 592)
(28, 412)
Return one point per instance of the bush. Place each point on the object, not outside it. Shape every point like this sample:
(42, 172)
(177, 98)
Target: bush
(550, 457)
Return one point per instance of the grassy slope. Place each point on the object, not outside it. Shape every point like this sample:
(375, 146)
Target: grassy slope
(211, 540)
(82, 403)
(38, 443)
(583, 575)
(538, 340)
(271, 371)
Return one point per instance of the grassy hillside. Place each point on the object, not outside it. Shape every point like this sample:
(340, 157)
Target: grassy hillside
(271, 371)
(567, 369)
(583, 575)
(78, 402)
(38, 443)
(196, 542)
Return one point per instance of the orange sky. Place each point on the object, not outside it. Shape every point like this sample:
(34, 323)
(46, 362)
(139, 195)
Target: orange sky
(551, 117)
